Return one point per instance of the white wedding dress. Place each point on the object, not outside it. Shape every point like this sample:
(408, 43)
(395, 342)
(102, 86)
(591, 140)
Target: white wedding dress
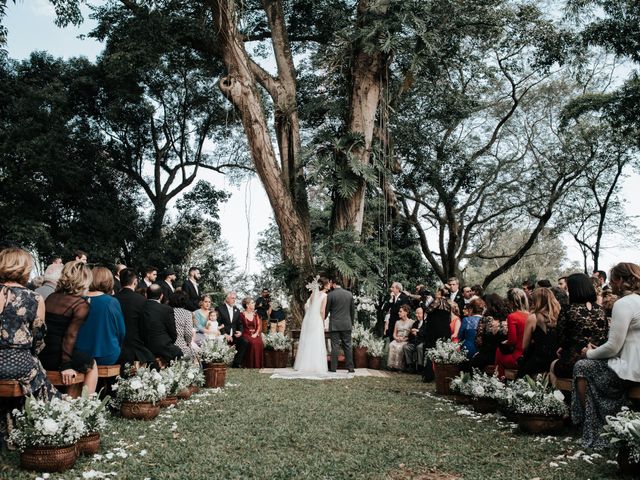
(312, 348)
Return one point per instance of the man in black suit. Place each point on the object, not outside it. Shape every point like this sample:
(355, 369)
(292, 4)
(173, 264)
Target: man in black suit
(392, 307)
(166, 284)
(191, 288)
(132, 305)
(414, 348)
(455, 294)
(229, 318)
(159, 326)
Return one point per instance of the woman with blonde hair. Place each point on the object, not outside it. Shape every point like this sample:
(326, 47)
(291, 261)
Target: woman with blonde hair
(601, 379)
(23, 329)
(103, 332)
(66, 312)
(252, 333)
(539, 340)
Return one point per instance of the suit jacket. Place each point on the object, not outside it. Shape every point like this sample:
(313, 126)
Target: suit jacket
(418, 338)
(133, 347)
(229, 323)
(160, 330)
(341, 310)
(193, 302)
(459, 300)
(166, 290)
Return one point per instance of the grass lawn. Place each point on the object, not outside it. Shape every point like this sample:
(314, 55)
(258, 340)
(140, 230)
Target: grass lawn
(359, 428)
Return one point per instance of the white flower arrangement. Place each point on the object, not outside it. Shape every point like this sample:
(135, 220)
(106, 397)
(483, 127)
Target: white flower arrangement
(535, 397)
(478, 385)
(213, 351)
(625, 428)
(360, 336)
(461, 384)
(276, 341)
(173, 378)
(54, 423)
(145, 385)
(365, 304)
(375, 346)
(446, 352)
(92, 410)
(194, 374)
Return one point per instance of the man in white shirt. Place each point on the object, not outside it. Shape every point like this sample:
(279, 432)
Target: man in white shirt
(229, 318)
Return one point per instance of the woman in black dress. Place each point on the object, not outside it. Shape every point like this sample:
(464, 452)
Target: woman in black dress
(438, 327)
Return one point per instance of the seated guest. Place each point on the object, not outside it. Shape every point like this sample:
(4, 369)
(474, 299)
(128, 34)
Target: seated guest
(229, 318)
(600, 381)
(492, 330)
(132, 305)
(184, 323)
(401, 331)
(51, 276)
(414, 348)
(212, 324)
(469, 326)
(201, 318)
(539, 341)
(23, 329)
(438, 328)
(510, 350)
(103, 331)
(455, 322)
(252, 332)
(580, 323)
(66, 312)
(159, 323)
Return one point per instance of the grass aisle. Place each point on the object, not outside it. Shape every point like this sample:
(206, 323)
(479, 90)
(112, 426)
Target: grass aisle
(358, 428)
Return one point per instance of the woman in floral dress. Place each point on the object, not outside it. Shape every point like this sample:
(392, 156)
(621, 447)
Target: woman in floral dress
(400, 337)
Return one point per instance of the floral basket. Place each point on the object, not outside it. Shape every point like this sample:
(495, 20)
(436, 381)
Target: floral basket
(93, 411)
(276, 341)
(217, 351)
(446, 352)
(623, 430)
(375, 351)
(138, 396)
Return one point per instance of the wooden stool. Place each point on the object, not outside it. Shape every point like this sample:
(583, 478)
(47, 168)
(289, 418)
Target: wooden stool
(74, 389)
(510, 374)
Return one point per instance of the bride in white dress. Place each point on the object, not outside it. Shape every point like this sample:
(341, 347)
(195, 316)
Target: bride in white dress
(312, 348)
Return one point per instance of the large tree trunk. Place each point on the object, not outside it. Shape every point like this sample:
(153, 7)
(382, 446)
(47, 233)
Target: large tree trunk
(367, 81)
(280, 184)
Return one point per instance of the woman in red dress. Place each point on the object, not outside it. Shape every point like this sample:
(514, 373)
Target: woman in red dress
(252, 333)
(510, 350)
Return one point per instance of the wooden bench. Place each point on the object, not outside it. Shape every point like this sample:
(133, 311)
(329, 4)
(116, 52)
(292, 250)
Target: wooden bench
(106, 375)
(74, 389)
(10, 389)
(563, 384)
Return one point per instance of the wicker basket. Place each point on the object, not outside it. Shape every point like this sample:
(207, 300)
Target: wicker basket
(89, 444)
(444, 372)
(194, 388)
(48, 459)
(168, 401)
(461, 399)
(485, 405)
(215, 375)
(374, 363)
(275, 358)
(184, 394)
(139, 410)
(540, 423)
(360, 357)
(627, 465)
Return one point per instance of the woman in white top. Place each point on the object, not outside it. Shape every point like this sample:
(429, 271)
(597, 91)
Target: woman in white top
(601, 380)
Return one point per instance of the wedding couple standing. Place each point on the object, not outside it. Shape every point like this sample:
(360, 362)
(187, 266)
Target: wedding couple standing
(328, 299)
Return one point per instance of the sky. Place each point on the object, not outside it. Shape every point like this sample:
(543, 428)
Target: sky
(247, 213)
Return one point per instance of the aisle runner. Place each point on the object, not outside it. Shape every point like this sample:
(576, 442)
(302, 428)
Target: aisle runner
(291, 374)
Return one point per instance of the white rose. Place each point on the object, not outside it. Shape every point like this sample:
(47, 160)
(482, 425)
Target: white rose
(529, 394)
(136, 384)
(190, 376)
(559, 395)
(155, 375)
(479, 391)
(49, 426)
(162, 390)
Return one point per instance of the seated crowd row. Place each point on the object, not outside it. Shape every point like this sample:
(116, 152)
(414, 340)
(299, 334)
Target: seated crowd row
(566, 333)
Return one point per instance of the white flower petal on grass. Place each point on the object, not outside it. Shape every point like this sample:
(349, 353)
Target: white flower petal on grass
(143, 453)
(109, 455)
(553, 465)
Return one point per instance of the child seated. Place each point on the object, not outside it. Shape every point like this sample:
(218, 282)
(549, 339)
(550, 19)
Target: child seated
(212, 327)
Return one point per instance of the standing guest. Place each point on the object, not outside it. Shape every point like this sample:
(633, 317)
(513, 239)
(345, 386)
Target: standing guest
(467, 294)
(539, 341)
(117, 284)
(190, 286)
(277, 320)
(392, 307)
(160, 326)
(51, 276)
(414, 348)
(401, 331)
(66, 312)
(57, 261)
(184, 324)
(510, 350)
(252, 333)
(200, 318)
(229, 318)
(527, 288)
(581, 322)
(455, 294)
(150, 275)
(168, 278)
(23, 329)
(478, 291)
(263, 307)
(81, 256)
(132, 305)
(103, 331)
(601, 278)
(562, 283)
(438, 328)
(600, 381)
(542, 283)
(469, 326)
(492, 330)
(455, 323)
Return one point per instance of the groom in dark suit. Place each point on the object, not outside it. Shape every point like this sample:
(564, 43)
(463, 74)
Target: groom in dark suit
(341, 311)
(229, 317)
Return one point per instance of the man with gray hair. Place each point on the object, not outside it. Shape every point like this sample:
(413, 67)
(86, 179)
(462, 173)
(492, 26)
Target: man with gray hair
(392, 307)
(51, 276)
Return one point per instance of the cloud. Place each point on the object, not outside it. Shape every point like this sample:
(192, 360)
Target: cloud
(42, 8)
